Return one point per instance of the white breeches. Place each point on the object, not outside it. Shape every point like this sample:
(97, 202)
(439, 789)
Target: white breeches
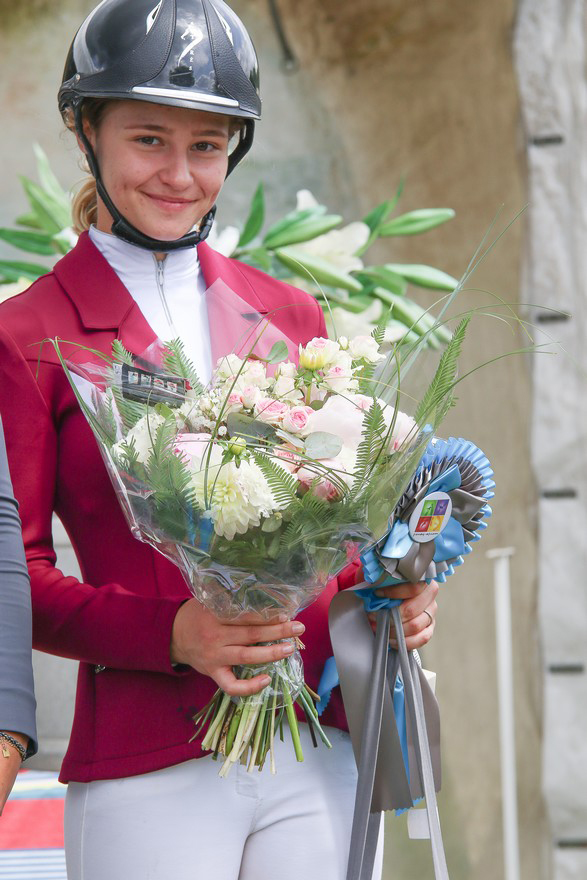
(185, 823)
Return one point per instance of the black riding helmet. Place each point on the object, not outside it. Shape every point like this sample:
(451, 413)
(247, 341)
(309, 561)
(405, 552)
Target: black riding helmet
(182, 53)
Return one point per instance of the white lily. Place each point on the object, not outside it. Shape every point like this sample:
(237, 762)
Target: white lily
(339, 246)
(225, 241)
(306, 200)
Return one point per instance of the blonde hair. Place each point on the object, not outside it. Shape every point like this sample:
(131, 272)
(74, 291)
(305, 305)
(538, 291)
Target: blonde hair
(84, 208)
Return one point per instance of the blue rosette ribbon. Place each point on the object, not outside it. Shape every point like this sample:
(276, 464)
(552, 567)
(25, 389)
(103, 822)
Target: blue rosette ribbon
(441, 514)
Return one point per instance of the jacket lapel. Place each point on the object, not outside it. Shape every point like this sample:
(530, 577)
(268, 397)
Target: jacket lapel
(101, 299)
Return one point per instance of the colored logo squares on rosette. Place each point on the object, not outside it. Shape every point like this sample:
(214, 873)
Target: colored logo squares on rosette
(430, 517)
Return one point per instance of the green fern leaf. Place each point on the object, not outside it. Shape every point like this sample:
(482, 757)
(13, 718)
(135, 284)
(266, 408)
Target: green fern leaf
(130, 411)
(438, 398)
(120, 354)
(284, 486)
(178, 364)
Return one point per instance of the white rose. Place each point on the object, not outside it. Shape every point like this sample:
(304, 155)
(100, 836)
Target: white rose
(255, 373)
(228, 367)
(250, 396)
(285, 389)
(319, 353)
(287, 370)
(339, 379)
(365, 348)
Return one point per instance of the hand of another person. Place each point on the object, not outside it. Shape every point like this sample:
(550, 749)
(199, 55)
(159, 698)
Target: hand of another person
(212, 646)
(418, 612)
(9, 766)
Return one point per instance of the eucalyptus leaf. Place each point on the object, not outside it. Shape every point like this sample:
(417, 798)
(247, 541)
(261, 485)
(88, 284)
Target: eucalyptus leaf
(416, 222)
(321, 444)
(256, 218)
(292, 439)
(272, 523)
(252, 430)
(279, 352)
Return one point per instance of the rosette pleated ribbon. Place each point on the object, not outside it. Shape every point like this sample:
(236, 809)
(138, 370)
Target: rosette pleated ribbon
(442, 512)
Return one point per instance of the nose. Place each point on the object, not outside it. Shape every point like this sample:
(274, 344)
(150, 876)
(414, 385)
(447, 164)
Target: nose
(176, 171)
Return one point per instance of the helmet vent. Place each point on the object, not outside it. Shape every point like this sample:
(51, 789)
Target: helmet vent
(153, 15)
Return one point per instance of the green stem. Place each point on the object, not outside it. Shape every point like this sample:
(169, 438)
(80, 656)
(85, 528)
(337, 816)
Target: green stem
(293, 724)
(258, 732)
(216, 726)
(272, 733)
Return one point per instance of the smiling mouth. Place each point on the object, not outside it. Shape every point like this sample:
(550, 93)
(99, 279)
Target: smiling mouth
(170, 202)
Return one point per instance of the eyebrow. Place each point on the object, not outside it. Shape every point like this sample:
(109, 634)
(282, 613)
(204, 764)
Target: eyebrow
(148, 126)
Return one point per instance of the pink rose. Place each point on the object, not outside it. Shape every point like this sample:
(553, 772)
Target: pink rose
(270, 411)
(233, 403)
(296, 419)
(339, 378)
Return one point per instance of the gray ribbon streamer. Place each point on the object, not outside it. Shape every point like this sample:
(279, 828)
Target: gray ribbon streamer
(367, 672)
(411, 673)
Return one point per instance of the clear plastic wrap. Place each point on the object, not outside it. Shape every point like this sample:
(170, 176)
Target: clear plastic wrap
(265, 482)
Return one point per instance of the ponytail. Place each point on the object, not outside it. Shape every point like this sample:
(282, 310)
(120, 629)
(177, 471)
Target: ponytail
(84, 207)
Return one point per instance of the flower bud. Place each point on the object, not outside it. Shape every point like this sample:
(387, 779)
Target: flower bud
(237, 446)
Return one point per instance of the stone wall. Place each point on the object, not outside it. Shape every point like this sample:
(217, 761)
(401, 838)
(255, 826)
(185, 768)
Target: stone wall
(384, 90)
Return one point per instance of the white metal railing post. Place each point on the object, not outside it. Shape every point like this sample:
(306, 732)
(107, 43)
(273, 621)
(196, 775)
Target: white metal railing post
(505, 686)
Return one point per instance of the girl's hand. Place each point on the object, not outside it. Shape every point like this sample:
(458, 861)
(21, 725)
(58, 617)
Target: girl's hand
(211, 646)
(9, 766)
(418, 612)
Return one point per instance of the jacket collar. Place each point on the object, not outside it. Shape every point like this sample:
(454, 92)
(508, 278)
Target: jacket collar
(104, 303)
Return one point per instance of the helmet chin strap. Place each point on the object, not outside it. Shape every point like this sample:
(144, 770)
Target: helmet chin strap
(120, 225)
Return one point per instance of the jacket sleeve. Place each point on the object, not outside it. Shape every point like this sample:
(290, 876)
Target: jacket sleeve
(17, 697)
(108, 625)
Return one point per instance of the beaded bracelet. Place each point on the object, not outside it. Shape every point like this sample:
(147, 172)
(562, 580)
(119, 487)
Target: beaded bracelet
(13, 742)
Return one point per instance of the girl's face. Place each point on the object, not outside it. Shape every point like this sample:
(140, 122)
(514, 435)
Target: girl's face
(163, 167)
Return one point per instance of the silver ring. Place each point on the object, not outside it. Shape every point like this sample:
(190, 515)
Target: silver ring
(429, 617)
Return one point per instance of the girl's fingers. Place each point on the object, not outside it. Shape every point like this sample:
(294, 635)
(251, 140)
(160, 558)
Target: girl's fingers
(234, 687)
(242, 655)
(251, 635)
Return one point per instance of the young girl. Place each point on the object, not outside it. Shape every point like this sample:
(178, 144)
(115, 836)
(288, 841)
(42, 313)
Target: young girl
(163, 99)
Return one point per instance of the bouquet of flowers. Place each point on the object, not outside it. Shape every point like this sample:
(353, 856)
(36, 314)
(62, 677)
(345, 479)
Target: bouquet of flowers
(261, 486)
